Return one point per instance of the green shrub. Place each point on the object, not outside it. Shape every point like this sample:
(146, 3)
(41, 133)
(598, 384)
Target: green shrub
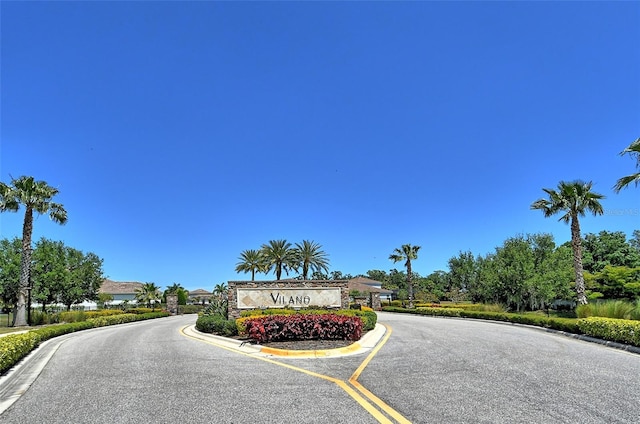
(189, 309)
(102, 313)
(72, 316)
(617, 330)
(619, 309)
(369, 317)
(262, 312)
(561, 324)
(14, 347)
(142, 310)
(216, 324)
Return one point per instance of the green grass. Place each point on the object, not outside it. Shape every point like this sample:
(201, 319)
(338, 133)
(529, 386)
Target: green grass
(619, 309)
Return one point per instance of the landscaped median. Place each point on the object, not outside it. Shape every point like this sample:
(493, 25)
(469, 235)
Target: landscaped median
(273, 325)
(615, 330)
(14, 347)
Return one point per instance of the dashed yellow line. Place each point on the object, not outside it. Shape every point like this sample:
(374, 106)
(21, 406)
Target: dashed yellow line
(371, 409)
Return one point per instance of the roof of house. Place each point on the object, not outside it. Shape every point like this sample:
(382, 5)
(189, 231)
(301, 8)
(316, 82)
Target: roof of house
(362, 284)
(199, 292)
(119, 287)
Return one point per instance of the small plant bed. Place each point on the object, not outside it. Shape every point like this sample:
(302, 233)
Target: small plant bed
(280, 328)
(307, 329)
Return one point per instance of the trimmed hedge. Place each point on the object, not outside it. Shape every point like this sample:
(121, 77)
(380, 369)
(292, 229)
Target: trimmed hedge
(617, 330)
(14, 347)
(562, 324)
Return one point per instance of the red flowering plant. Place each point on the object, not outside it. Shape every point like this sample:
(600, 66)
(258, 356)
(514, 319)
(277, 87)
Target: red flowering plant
(304, 327)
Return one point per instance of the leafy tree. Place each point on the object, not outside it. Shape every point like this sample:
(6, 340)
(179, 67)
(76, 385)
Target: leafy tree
(406, 253)
(104, 299)
(377, 275)
(279, 255)
(319, 275)
(616, 282)
(178, 290)
(632, 150)
(84, 277)
(311, 257)
(608, 248)
(10, 254)
(574, 199)
(463, 271)
(148, 294)
(338, 275)
(50, 271)
(35, 196)
(432, 287)
(635, 240)
(252, 261)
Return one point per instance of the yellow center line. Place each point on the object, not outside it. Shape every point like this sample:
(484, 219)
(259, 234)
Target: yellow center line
(379, 402)
(343, 385)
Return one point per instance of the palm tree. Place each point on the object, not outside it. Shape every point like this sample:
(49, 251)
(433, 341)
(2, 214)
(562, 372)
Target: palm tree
(35, 196)
(148, 294)
(406, 253)
(280, 255)
(311, 257)
(220, 291)
(634, 151)
(251, 261)
(574, 198)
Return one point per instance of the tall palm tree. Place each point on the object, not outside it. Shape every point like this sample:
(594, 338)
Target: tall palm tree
(406, 253)
(148, 294)
(634, 151)
(311, 257)
(575, 199)
(35, 196)
(280, 255)
(251, 261)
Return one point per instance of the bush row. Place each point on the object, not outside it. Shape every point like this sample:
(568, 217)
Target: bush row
(304, 327)
(14, 347)
(563, 324)
(617, 330)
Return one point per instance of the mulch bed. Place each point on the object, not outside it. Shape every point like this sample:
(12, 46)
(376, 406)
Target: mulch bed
(303, 344)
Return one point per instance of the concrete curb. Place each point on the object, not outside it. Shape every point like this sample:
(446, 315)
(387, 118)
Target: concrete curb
(365, 344)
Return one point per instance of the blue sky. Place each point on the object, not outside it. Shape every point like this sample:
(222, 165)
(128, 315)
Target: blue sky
(182, 133)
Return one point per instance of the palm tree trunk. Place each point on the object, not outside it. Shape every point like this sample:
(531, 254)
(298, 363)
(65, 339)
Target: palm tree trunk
(25, 268)
(576, 244)
(409, 284)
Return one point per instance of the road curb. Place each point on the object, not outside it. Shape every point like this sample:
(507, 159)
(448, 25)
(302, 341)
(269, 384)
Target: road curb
(365, 344)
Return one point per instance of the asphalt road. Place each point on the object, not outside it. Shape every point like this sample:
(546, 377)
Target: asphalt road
(430, 370)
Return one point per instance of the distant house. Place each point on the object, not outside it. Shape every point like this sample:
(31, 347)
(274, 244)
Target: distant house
(372, 291)
(120, 291)
(200, 296)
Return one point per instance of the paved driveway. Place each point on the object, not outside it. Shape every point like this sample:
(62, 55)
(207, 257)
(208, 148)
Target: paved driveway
(428, 370)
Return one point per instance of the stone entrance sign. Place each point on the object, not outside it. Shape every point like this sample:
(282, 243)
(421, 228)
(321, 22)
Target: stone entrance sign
(244, 295)
(258, 298)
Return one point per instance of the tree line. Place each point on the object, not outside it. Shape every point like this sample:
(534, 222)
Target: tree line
(529, 272)
(59, 274)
